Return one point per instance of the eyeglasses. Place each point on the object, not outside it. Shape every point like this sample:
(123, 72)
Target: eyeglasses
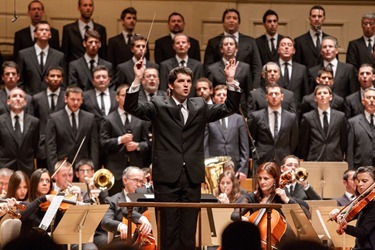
(138, 181)
(82, 171)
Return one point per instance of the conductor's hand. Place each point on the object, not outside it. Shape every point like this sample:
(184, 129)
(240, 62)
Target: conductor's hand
(281, 193)
(139, 70)
(145, 225)
(230, 69)
(123, 231)
(126, 138)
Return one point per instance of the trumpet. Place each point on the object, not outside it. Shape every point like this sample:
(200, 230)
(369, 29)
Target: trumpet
(103, 179)
(301, 174)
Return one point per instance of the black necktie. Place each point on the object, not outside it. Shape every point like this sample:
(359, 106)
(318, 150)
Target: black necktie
(102, 105)
(318, 40)
(52, 101)
(150, 96)
(276, 125)
(92, 65)
(372, 121)
(129, 39)
(181, 114)
(41, 61)
(369, 46)
(291, 191)
(286, 75)
(325, 122)
(127, 123)
(182, 63)
(17, 129)
(87, 28)
(272, 45)
(74, 124)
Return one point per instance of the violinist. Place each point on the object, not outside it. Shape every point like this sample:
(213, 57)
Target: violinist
(18, 186)
(266, 188)
(5, 174)
(363, 211)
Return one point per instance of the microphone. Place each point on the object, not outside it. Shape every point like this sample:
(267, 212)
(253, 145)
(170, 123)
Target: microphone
(15, 16)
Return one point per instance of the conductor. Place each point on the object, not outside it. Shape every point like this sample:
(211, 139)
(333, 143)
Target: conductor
(178, 124)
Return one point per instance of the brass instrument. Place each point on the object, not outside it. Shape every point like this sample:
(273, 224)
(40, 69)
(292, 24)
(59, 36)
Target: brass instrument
(213, 168)
(103, 179)
(301, 174)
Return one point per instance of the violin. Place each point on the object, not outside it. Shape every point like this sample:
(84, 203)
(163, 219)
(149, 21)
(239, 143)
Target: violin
(12, 210)
(65, 204)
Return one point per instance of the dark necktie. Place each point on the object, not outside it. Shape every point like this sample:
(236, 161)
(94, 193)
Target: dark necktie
(276, 125)
(87, 28)
(272, 45)
(129, 39)
(369, 46)
(325, 122)
(74, 124)
(291, 190)
(52, 101)
(127, 123)
(318, 40)
(182, 63)
(41, 61)
(102, 105)
(92, 65)
(150, 96)
(224, 125)
(17, 129)
(286, 75)
(181, 114)
(372, 121)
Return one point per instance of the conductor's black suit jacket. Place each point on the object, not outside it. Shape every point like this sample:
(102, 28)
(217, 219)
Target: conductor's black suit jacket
(173, 142)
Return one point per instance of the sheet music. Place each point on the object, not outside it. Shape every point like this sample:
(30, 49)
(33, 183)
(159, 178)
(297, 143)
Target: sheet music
(323, 224)
(51, 211)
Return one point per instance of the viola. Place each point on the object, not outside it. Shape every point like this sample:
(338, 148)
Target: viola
(13, 210)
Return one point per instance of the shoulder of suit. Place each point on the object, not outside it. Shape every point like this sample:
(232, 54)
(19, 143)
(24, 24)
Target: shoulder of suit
(24, 30)
(31, 118)
(339, 114)
(161, 39)
(116, 37)
(98, 25)
(56, 52)
(87, 114)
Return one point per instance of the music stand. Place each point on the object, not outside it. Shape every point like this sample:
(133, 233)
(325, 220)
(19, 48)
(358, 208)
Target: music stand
(221, 221)
(78, 224)
(326, 177)
(300, 224)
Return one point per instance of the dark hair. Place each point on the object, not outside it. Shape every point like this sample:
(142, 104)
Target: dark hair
(272, 169)
(9, 64)
(236, 191)
(228, 36)
(219, 87)
(92, 33)
(181, 34)
(318, 87)
(286, 37)
(367, 65)
(84, 162)
(179, 70)
(325, 70)
(40, 23)
(122, 86)
(273, 85)
(73, 89)
(137, 38)
(205, 79)
(240, 235)
(98, 68)
(129, 10)
(55, 68)
(226, 11)
(318, 7)
(269, 13)
(35, 1)
(345, 176)
(365, 169)
(176, 14)
(288, 157)
(34, 182)
(14, 181)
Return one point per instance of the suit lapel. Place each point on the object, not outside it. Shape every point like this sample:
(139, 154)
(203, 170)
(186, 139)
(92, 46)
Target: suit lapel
(267, 123)
(192, 107)
(93, 99)
(174, 111)
(86, 69)
(45, 103)
(317, 123)
(119, 123)
(67, 124)
(9, 126)
(34, 60)
(311, 44)
(331, 122)
(364, 123)
(49, 59)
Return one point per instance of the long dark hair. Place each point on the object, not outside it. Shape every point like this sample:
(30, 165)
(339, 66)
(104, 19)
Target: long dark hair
(34, 182)
(272, 169)
(236, 193)
(14, 181)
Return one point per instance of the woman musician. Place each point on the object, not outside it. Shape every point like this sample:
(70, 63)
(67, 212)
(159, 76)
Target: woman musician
(364, 211)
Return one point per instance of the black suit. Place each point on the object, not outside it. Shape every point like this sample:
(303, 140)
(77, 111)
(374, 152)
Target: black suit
(257, 101)
(300, 193)
(117, 158)
(358, 53)
(29, 108)
(90, 104)
(178, 158)
(268, 147)
(171, 63)
(125, 71)
(353, 105)
(31, 75)
(114, 215)
(42, 110)
(309, 103)
(247, 52)
(215, 72)
(361, 143)
(315, 146)
(266, 55)
(306, 51)
(164, 49)
(23, 40)
(345, 79)
(343, 200)
(61, 142)
(119, 52)
(72, 41)
(19, 154)
(143, 96)
(233, 142)
(80, 74)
